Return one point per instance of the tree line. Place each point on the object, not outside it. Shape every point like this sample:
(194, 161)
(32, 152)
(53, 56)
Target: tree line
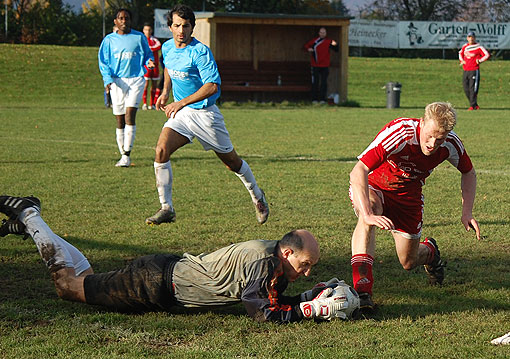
(437, 10)
(55, 22)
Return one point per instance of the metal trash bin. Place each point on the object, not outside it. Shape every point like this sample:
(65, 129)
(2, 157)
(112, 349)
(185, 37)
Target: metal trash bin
(393, 90)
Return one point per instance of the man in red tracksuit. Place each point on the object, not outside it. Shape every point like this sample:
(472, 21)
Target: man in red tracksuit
(470, 56)
(320, 60)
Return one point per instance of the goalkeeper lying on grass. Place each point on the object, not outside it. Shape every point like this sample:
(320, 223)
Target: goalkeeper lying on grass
(254, 272)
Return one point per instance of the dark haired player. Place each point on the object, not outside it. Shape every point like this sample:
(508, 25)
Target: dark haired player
(122, 56)
(191, 71)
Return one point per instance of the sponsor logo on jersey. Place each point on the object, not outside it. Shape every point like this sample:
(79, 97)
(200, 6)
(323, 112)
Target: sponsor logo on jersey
(178, 75)
(128, 55)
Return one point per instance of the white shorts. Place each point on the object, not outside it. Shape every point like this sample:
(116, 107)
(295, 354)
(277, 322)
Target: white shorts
(126, 92)
(206, 124)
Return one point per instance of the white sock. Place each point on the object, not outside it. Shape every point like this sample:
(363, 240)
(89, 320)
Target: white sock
(119, 132)
(164, 179)
(129, 137)
(55, 251)
(248, 179)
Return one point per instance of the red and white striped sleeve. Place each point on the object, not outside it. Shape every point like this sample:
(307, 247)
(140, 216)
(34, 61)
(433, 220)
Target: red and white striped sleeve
(485, 54)
(154, 44)
(458, 156)
(461, 53)
(391, 139)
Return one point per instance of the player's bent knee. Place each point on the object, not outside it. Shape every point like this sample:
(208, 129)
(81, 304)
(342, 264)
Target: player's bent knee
(162, 154)
(408, 264)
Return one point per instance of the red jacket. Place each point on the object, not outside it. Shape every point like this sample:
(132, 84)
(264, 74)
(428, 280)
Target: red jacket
(470, 53)
(320, 55)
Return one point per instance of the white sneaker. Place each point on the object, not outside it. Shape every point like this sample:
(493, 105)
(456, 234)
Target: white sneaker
(151, 108)
(125, 161)
(144, 107)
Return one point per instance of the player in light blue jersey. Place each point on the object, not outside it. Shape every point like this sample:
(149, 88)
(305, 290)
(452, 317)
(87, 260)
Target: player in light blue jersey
(122, 55)
(195, 81)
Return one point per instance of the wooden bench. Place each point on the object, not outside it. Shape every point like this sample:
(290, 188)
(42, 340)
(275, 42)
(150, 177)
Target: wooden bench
(286, 78)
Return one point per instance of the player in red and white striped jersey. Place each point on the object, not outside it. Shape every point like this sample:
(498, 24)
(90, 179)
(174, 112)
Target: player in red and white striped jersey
(471, 56)
(386, 192)
(151, 75)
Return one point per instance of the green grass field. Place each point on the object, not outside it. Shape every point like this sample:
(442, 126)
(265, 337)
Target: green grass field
(58, 143)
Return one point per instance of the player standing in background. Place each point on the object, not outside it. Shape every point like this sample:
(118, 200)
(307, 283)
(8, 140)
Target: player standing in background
(151, 75)
(191, 71)
(386, 192)
(320, 60)
(122, 55)
(471, 56)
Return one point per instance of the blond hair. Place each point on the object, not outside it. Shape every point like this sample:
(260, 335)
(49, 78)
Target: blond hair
(443, 113)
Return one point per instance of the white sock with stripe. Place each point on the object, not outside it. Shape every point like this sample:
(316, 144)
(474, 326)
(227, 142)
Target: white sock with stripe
(54, 250)
(246, 176)
(164, 179)
(129, 137)
(119, 134)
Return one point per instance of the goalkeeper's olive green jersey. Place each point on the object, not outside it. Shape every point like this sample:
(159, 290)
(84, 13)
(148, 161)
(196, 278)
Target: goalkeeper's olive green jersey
(249, 272)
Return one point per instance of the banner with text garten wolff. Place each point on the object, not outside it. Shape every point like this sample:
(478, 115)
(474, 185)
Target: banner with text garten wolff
(426, 34)
(451, 35)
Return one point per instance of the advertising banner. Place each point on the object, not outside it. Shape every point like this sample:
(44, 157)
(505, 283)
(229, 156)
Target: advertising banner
(451, 35)
(427, 34)
(161, 30)
(370, 33)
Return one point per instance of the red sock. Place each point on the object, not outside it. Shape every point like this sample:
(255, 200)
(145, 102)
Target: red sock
(144, 96)
(362, 273)
(432, 250)
(158, 91)
(153, 93)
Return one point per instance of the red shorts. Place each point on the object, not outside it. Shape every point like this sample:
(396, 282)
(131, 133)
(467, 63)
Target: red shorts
(406, 212)
(151, 74)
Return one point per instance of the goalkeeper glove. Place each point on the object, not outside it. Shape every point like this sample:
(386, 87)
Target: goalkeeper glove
(320, 307)
(312, 293)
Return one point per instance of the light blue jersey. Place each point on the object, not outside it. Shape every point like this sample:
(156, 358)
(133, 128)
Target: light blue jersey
(190, 68)
(123, 56)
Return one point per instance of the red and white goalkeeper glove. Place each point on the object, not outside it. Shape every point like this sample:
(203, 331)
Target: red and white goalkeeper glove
(312, 293)
(321, 307)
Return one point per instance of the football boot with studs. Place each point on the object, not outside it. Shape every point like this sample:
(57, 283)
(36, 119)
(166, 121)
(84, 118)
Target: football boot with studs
(161, 216)
(13, 206)
(435, 269)
(262, 209)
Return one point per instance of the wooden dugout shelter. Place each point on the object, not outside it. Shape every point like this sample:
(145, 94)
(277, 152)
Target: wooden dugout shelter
(262, 55)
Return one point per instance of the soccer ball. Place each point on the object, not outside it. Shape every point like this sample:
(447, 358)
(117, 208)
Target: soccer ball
(346, 301)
